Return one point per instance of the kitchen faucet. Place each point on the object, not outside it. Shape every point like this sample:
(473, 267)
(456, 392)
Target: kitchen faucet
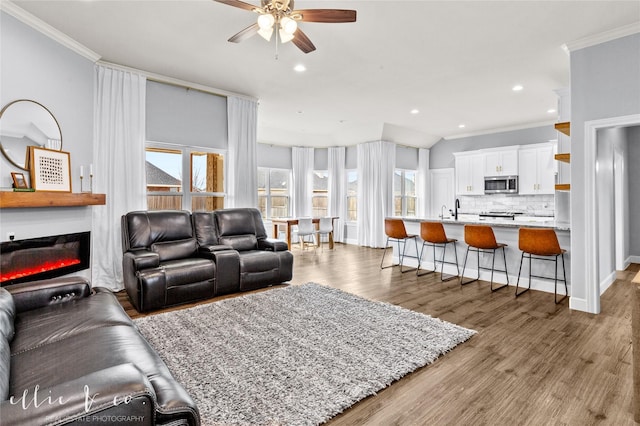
(442, 209)
(456, 207)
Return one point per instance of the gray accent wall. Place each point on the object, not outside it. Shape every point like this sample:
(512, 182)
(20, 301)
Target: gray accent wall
(441, 154)
(604, 84)
(35, 67)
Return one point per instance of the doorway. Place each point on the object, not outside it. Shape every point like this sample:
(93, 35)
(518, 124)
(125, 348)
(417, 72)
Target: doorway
(592, 246)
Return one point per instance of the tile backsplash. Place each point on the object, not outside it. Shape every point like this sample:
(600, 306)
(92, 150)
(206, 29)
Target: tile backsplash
(543, 205)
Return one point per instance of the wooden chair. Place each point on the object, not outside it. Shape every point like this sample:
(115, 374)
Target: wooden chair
(433, 234)
(395, 230)
(541, 244)
(480, 238)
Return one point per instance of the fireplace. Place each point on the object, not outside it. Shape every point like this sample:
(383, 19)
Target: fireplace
(44, 257)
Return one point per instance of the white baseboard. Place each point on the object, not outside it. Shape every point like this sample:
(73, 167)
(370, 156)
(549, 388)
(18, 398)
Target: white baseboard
(498, 277)
(578, 304)
(606, 283)
(632, 259)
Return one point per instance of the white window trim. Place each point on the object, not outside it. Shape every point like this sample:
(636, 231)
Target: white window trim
(268, 190)
(186, 151)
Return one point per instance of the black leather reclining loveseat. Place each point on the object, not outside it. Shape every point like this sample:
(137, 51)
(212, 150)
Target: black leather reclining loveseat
(173, 257)
(71, 355)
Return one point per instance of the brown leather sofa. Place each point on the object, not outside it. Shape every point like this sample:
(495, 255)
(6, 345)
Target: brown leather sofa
(70, 355)
(173, 257)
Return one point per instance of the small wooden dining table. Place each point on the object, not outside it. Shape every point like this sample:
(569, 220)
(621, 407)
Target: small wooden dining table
(288, 223)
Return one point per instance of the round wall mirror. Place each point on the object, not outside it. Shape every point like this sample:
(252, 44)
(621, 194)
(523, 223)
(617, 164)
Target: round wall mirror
(26, 123)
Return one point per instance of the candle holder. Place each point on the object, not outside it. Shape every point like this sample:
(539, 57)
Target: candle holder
(90, 184)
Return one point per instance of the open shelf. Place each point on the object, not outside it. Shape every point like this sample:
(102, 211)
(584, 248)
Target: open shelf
(11, 199)
(565, 157)
(563, 186)
(564, 127)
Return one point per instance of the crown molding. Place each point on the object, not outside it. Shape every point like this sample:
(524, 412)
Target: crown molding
(46, 29)
(500, 130)
(595, 39)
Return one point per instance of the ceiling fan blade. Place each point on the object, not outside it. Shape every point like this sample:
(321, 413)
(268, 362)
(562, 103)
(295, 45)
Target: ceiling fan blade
(251, 30)
(238, 3)
(326, 15)
(301, 40)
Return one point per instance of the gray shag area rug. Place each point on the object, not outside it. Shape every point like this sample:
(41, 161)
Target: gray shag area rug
(297, 355)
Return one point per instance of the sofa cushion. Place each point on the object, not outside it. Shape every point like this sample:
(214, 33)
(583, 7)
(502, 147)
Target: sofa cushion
(7, 314)
(186, 271)
(58, 322)
(240, 242)
(143, 228)
(258, 261)
(234, 222)
(170, 250)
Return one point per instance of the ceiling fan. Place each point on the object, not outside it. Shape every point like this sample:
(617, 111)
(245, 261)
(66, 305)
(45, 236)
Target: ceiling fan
(280, 14)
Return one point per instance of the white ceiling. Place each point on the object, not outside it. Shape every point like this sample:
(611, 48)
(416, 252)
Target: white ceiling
(454, 61)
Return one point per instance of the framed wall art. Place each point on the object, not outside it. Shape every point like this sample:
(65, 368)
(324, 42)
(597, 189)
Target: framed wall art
(50, 170)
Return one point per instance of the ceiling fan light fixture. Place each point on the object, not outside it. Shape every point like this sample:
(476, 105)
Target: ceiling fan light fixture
(284, 36)
(288, 25)
(266, 21)
(266, 33)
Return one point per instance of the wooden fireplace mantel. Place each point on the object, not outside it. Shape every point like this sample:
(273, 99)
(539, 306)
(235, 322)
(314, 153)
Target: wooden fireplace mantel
(49, 199)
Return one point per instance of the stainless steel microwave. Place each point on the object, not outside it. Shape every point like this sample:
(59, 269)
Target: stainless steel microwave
(501, 185)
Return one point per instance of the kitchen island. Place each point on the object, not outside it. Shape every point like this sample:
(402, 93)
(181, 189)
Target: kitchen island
(506, 231)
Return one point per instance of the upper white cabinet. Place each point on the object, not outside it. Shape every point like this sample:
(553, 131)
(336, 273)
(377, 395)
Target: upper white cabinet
(501, 162)
(469, 173)
(537, 169)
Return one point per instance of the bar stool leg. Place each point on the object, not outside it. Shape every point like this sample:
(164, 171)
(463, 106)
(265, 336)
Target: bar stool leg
(519, 271)
(564, 273)
(384, 253)
(427, 272)
(504, 256)
(465, 265)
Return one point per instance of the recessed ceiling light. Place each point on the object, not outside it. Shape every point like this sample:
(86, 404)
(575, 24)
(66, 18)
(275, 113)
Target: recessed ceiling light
(551, 111)
(299, 68)
(414, 111)
(517, 88)
(462, 126)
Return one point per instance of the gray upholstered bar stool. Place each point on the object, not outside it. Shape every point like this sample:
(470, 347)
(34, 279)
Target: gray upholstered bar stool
(480, 238)
(433, 234)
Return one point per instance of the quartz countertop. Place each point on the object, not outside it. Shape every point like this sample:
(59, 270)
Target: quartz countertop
(474, 219)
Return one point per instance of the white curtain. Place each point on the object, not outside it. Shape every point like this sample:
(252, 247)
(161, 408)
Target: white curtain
(337, 193)
(302, 165)
(119, 166)
(242, 163)
(423, 184)
(376, 163)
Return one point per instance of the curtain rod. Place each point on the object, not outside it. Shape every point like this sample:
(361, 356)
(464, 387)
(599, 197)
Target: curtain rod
(176, 81)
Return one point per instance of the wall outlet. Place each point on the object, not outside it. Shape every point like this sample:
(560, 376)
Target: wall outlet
(11, 236)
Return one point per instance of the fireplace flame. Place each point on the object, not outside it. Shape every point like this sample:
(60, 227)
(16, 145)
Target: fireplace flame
(45, 267)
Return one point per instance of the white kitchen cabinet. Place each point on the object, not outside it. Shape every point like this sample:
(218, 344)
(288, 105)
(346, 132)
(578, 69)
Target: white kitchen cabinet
(501, 162)
(469, 173)
(537, 170)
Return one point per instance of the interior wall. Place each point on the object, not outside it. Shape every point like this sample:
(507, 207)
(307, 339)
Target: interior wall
(35, 67)
(604, 84)
(441, 154)
(633, 157)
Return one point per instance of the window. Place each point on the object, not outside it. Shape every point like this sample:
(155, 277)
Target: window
(352, 195)
(320, 197)
(404, 193)
(273, 192)
(167, 188)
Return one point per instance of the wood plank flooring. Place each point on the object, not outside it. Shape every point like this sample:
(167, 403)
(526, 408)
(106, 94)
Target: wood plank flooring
(531, 363)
